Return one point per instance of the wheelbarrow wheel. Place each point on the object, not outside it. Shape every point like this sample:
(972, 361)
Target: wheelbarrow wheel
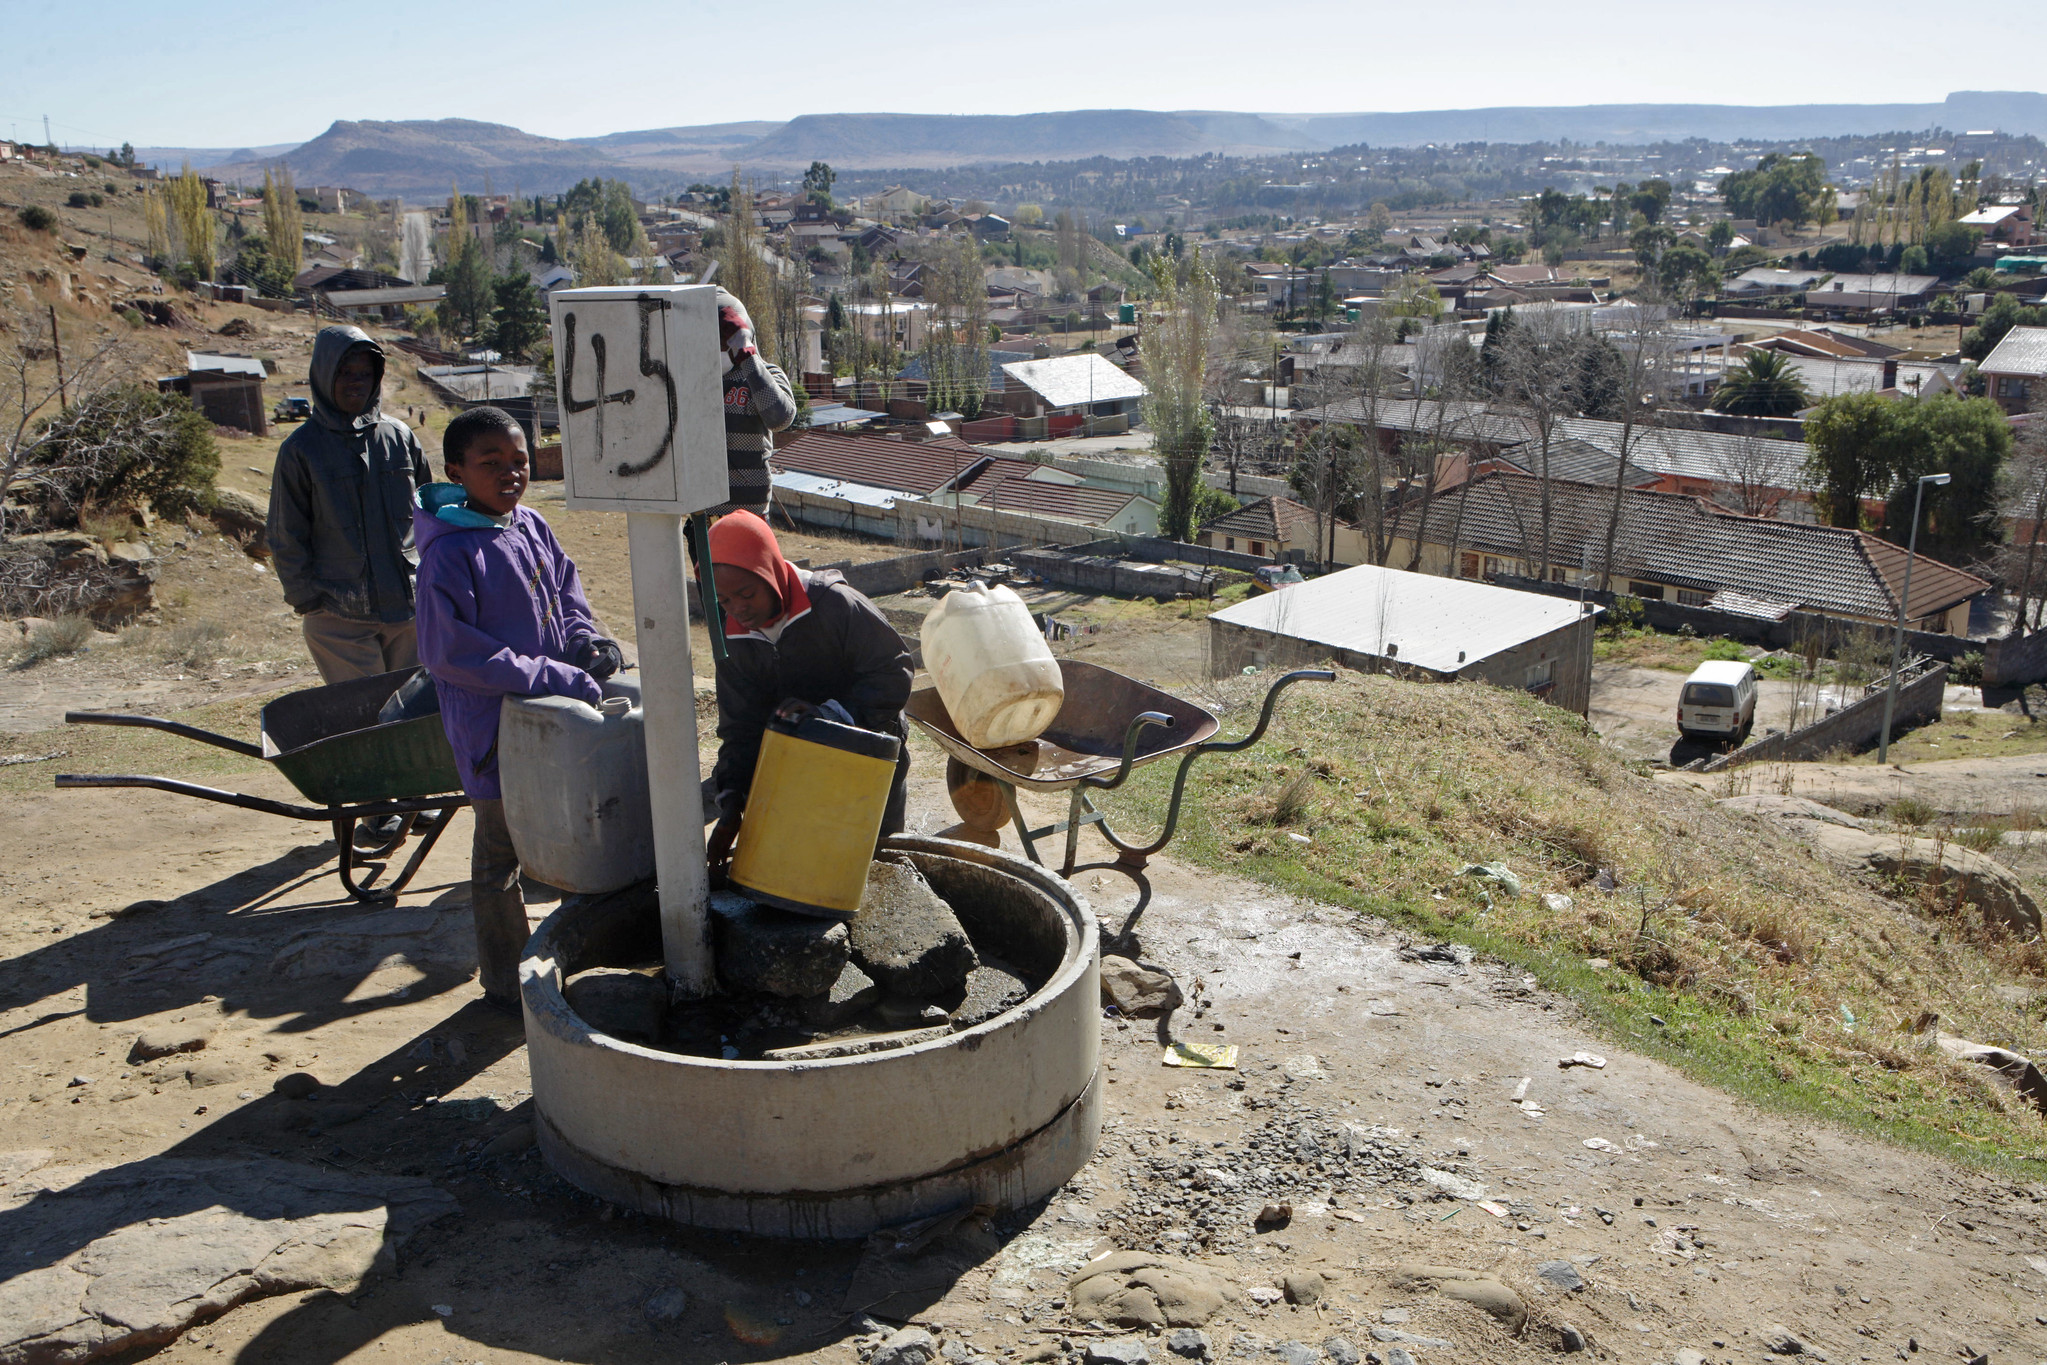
(982, 805)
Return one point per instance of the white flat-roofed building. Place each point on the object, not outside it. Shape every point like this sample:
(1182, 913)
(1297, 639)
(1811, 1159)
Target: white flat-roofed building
(1381, 620)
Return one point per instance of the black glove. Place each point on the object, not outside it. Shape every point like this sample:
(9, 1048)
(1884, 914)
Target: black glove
(599, 657)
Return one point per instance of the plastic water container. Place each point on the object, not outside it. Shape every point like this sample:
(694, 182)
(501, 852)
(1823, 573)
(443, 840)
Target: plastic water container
(813, 816)
(575, 786)
(993, 670)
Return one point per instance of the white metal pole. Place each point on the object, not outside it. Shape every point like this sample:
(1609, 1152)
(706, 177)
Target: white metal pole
(668, 697)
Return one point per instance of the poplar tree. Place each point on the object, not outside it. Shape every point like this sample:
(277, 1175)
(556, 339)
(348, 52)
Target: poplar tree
(188, 209)
(1177, 335)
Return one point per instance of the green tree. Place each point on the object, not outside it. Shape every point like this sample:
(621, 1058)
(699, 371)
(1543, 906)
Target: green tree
(817, 183)
(467, 278)
(1951, 245)
(1686, 271)
(127, 444)
(1914, 261)
(1650, 199)
(1853, 454)
(1766, 385)
(2003, 314)
(283, 227)
(518, 323)
(1966, 438)
(1720, 236)
(1783, 188)
(1178, 332)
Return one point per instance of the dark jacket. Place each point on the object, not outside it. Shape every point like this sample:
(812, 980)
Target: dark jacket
(843, 649)
(340, 524)
(758, 403)
(501, 612)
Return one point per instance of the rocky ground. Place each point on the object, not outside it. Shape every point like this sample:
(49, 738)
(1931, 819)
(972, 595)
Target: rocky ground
(347, 1139)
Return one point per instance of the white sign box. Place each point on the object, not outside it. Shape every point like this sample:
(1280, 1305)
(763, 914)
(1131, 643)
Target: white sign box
(637, 374)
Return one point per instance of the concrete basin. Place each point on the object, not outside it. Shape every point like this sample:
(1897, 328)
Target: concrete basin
(1002, 1113)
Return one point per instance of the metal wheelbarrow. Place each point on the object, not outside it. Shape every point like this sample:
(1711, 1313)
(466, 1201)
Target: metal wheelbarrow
(328, 743)
(1108, 726)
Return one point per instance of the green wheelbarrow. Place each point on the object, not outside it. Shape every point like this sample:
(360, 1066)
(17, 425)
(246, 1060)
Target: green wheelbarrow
(328, 743)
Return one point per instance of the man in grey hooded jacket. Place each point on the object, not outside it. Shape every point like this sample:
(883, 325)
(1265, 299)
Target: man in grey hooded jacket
(341, 515)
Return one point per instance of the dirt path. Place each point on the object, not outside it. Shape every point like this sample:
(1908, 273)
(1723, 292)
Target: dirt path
(1635, 710)
(133, 910)
(1956, 786)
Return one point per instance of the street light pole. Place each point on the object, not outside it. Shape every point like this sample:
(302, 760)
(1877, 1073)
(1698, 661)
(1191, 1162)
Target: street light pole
(1883, 751)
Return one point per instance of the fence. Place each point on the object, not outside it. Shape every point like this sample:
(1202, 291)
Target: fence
(1921, 684)
(1111, 576)
(1789, 632)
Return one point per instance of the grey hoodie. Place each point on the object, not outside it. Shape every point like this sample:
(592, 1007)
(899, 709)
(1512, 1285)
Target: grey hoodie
(341, 501)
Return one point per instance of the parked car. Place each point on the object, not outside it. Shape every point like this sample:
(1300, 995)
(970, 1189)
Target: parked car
(1718, 701)
(1273, 577)
(293, 410)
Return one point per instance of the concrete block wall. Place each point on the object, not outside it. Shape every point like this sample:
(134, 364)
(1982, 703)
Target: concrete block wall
(2015, 660)
(1851, 727)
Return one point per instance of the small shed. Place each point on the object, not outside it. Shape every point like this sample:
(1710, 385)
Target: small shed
(228, 389)
(1380, 620)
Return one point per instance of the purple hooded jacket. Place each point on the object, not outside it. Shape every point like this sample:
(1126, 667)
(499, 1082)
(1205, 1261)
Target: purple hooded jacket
(499, 612)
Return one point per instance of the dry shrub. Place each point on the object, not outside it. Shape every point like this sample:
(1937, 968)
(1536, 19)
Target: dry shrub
(194, 644)
(1910, 810)
(48, 639)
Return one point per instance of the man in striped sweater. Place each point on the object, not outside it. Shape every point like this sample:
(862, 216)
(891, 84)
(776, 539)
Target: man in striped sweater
(758, 403)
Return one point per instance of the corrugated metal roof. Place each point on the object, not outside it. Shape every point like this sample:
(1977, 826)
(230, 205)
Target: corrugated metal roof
(2023, 351)
(379, 298)
(1072, 380)
(1007, 486)
(1894, 286)
(207, 362)
(860, 493)
(1429, 620)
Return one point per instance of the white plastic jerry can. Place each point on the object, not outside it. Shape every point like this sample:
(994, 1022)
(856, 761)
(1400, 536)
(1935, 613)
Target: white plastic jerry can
(575, 788)
(993, 670)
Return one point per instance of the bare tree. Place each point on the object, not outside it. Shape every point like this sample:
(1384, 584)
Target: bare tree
(40, 451)
(1643, 349)
(1538, 373)
(1749, 466)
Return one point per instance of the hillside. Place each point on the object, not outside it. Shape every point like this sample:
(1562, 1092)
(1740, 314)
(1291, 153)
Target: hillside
(870, 140)
(423, 157)
(1693, 932)
(2012, 112)
(686, 149)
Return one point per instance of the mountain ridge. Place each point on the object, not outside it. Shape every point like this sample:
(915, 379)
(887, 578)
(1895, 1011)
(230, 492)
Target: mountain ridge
(423, 157)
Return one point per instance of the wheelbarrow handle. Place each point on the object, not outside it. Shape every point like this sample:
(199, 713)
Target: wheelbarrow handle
(1172, 823)
(1144, 720)
(169, 726)
(368, 810)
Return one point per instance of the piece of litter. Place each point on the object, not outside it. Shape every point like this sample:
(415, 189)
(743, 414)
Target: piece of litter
(1637, 1143)
(1347, 1214)
(1521, 1090)
(1600, 1145)
(1209, 1056)
(1847, 1019)
(9, 760)
(1261, 1293)
(1299, 838)
(1495, 1209)
(1590, 1059)
(445, 1310)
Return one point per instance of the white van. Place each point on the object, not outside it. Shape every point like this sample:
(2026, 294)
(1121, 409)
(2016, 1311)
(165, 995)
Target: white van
(1718, 701)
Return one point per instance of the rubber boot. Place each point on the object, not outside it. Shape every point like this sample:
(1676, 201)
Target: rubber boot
(497, 904)
(500, 940)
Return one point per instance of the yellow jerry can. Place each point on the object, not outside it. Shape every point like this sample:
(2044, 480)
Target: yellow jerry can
(813, 816)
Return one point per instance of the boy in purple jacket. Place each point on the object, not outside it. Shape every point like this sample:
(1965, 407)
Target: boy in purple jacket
(501, 613)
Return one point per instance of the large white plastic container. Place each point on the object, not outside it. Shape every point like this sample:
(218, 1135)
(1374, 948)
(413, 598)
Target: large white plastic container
(575, 785)
(993, 670)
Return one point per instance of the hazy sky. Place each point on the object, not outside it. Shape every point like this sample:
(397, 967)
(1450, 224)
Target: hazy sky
(168, 75)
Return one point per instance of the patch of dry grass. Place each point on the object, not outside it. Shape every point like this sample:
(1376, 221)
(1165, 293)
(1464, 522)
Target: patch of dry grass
(1734, 952)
